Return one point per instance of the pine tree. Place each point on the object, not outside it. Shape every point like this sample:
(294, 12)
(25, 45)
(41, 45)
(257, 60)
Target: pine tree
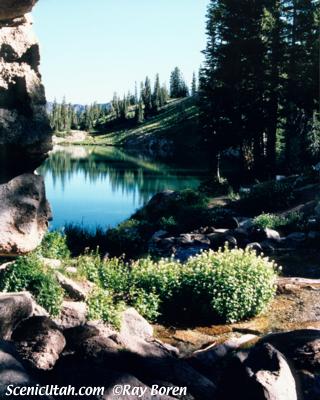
(194, 85)
(156, 96)
(115, 105)
(178, 87)
(233, 76)
(136, 97)
(147, 96)
(302, 77)
(124, 108)
(139, 113)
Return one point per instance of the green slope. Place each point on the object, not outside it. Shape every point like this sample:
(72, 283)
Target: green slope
(177, 123)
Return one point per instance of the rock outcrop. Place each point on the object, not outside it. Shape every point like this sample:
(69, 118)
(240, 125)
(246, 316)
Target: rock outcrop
(25, 134)
(10, 9)
(23, 119)
(24, 214)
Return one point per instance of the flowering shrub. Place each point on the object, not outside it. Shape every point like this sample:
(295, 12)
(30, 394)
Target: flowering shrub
(231, 284)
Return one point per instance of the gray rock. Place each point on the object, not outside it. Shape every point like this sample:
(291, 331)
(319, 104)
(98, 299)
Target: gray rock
(190, 239)
(133, 324)
(147, 360)
(73, 313)
(302, 347)
(78, 335)
(220, 238)
(39, 342)
(141, 390)
(297, 237)
(268, 246)
(255, 246)
(12, 372)
(24, 214)
(23, 118)
(310, 385)
(74, 290)
(259, 234)
(14, 308)
(159, 235)
(242, 236)
(208, 360)
(259, 374)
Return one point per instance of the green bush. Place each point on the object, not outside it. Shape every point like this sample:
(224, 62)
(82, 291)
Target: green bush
(101, 306)
(183, 210)
(230, 285)
(80, 239)
(168, 223)
(126, 238)
(54, 245)
(241, 284)
(267, 197)
(28, 273)
(293, 220)
(266, 220)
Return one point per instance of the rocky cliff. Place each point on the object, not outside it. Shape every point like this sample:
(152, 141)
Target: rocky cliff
(23, 119)
(25, 135)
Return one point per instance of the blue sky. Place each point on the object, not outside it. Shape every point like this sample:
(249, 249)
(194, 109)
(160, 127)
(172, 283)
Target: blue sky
(90, 49)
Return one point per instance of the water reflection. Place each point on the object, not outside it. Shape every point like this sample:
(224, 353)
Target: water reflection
(104, 185)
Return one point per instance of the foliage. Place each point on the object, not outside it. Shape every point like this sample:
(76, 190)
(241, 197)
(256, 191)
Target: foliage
(28, 273)
(240, 283)
(314, 138)
(188, 207)
(168, 223)
(260, 80)
(54, 245)
(215, 186)
(267, 196)
(178, 86)
(273, 221)
(101, 306)
(126, 238)
(113, 277)
(95, 117)
(79, 239)
(230, 284)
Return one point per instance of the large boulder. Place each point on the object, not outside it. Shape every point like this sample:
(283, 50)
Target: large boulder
(259, 374)
(132, 323)
(11, 9)
(75, 290)
(39, 342)
(13, 373)
(23, 119)
(301, 346)
(24, 214)
(72, 314)
(14, 308)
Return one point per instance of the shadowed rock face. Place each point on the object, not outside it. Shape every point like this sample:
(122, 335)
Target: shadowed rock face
(10, 9)
(25, 135)
(23, 119)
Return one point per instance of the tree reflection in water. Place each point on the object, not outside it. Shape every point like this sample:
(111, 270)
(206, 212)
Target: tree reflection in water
(104, 185)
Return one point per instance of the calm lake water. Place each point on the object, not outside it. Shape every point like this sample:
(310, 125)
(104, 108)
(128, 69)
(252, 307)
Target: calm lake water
(102, 186)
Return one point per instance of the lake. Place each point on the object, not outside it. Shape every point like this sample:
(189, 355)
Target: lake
(102, 186)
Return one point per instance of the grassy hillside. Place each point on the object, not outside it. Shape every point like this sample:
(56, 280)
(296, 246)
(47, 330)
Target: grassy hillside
(177, 124)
